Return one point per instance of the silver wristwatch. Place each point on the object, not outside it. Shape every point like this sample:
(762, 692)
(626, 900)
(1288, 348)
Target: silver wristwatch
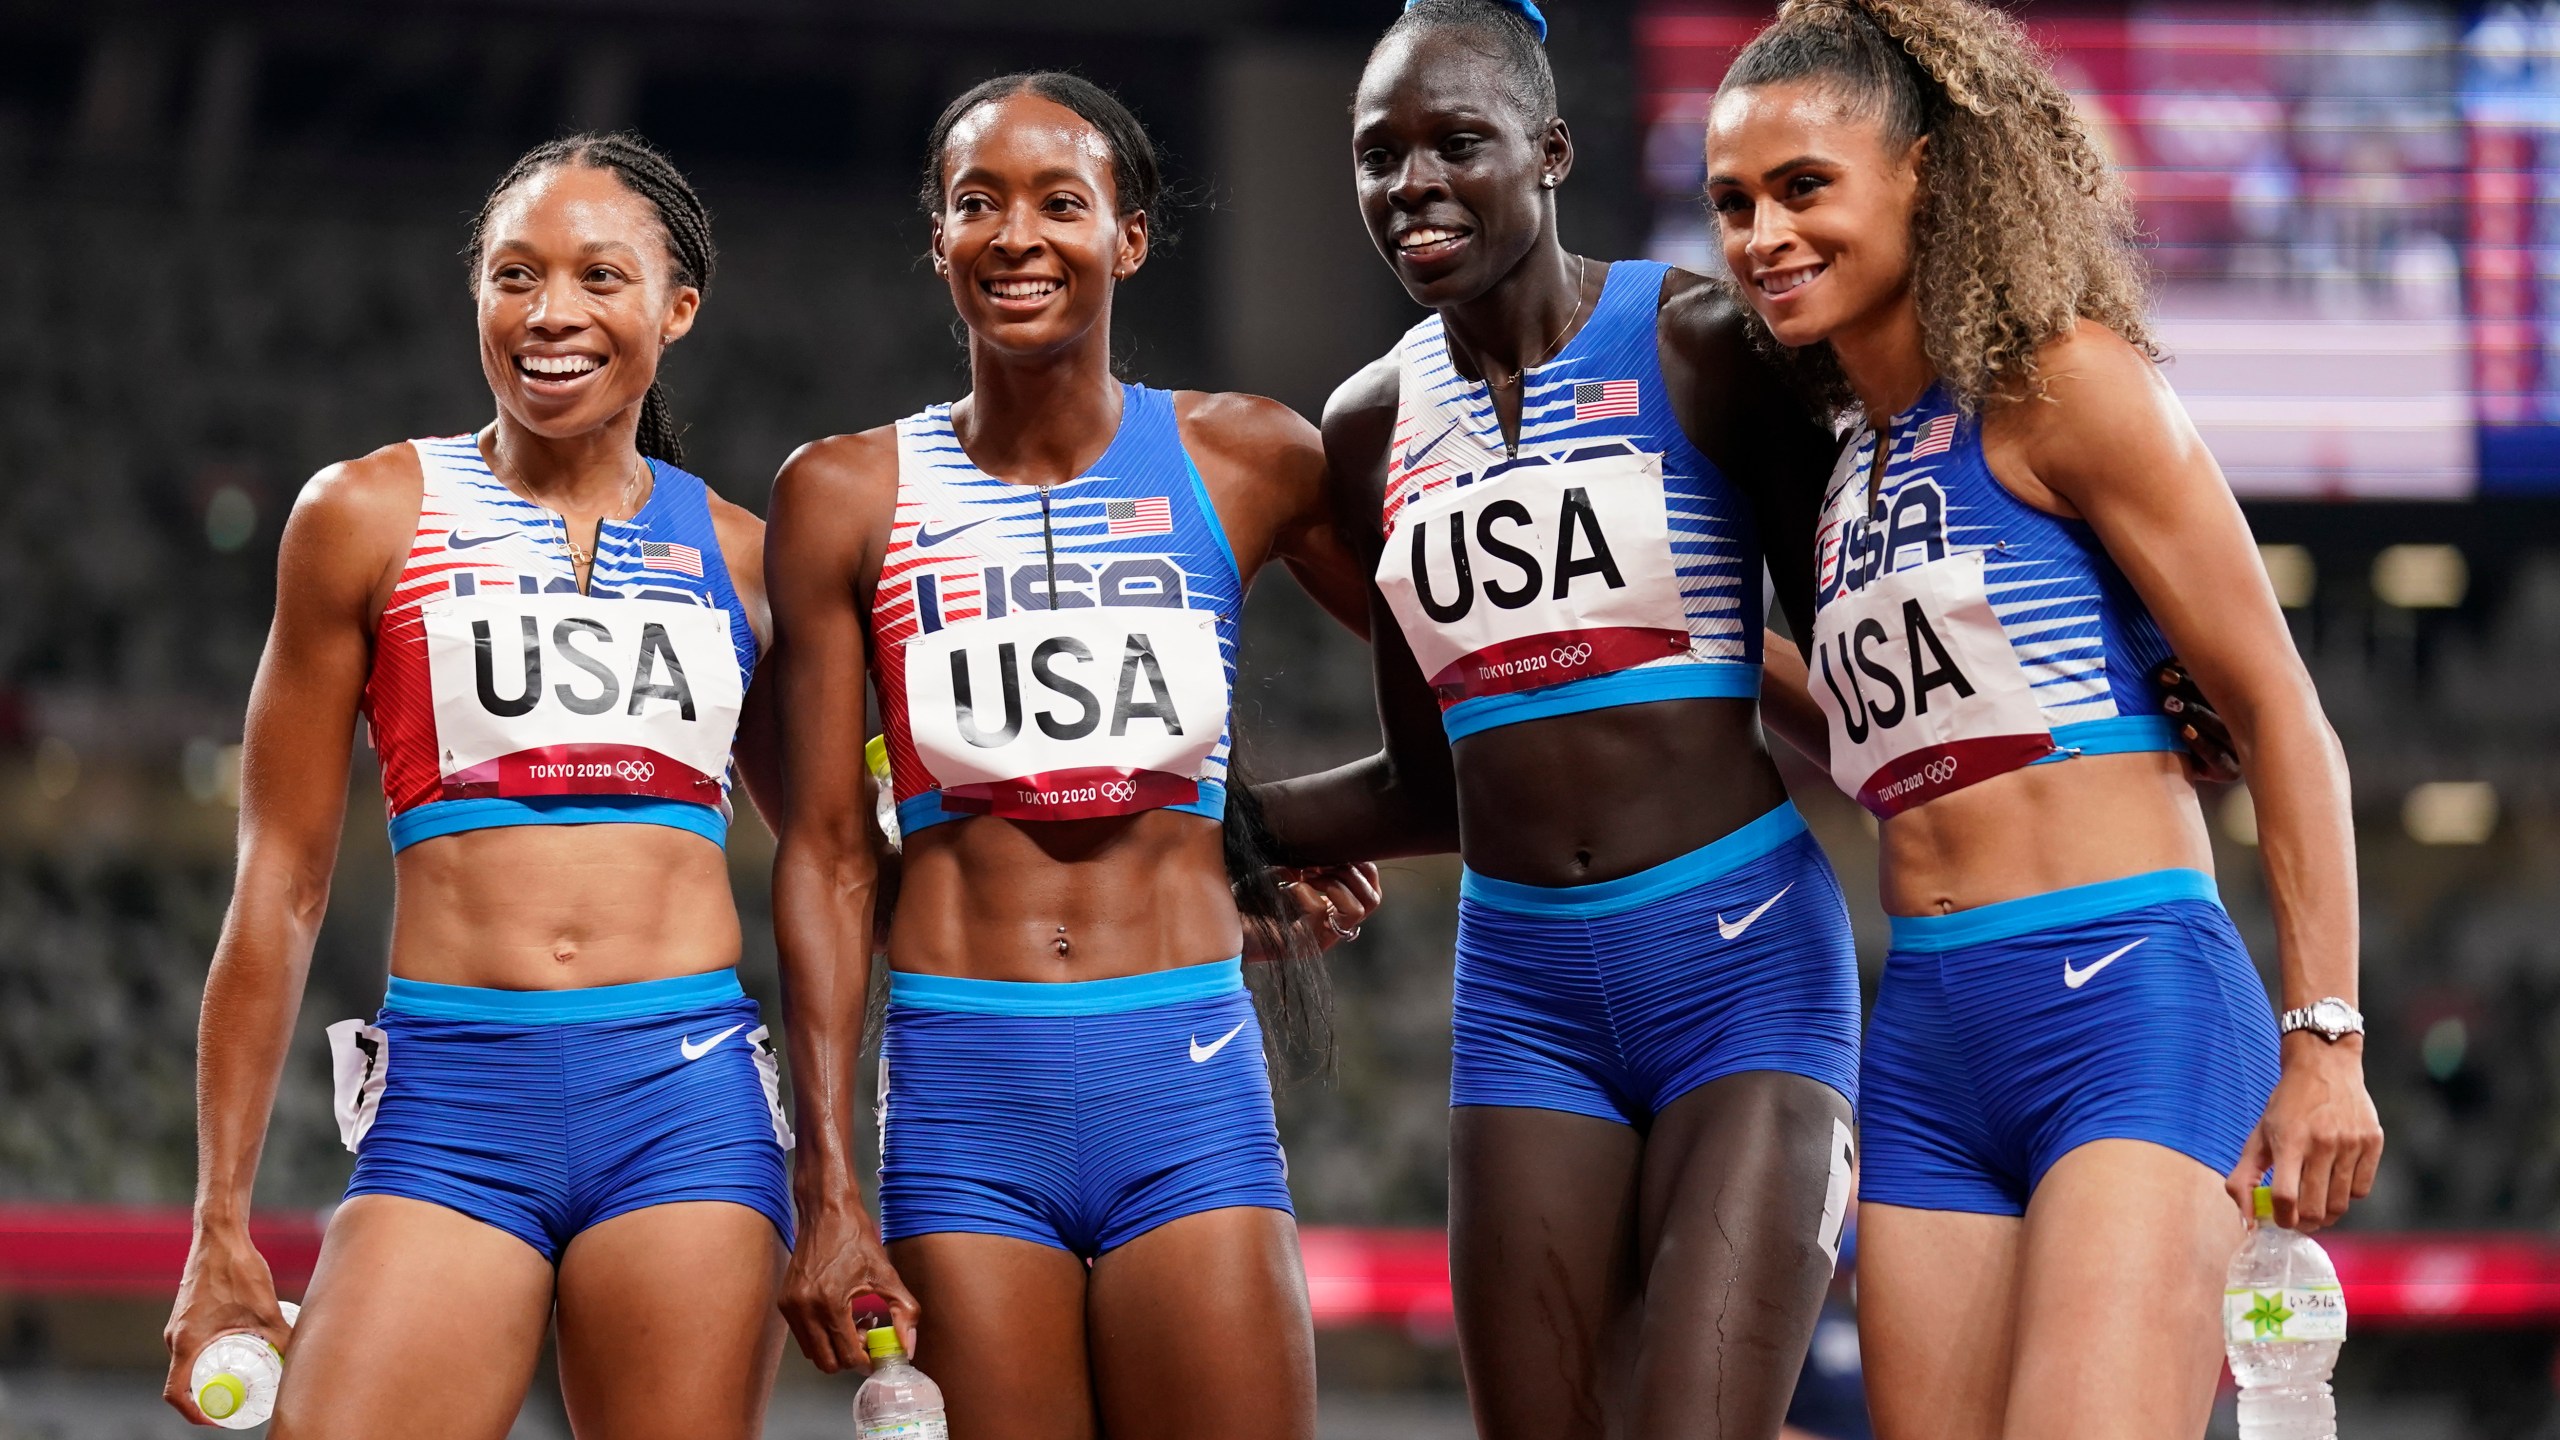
(2332, 1019)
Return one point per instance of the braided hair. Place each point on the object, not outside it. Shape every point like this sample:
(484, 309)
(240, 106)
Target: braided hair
(653, 177)
(2020, 228)
(1504, 32)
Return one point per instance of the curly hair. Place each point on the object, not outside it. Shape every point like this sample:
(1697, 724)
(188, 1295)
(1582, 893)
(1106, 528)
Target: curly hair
(2020, 229)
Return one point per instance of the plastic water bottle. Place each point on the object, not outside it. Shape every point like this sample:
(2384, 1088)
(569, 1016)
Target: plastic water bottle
(236, 1375)
(2283, 1319)
(899, 1401)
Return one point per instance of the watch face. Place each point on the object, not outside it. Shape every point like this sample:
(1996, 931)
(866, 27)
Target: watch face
(2333, 1017)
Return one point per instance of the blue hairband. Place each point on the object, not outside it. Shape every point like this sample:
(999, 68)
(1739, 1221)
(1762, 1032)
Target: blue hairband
(1527, 8)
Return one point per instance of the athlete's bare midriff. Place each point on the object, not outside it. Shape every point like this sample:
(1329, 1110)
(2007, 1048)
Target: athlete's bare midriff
(987, 898)
(2044, 828)
(1578, 799)
(562, 907)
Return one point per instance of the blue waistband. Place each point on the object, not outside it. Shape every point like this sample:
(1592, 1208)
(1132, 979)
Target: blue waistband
(426, 1000)
(2122, 735)
(1067, 997)
(452, 817)
(918, 812)
(2052, 910)
(1721, 856)
(1681, 680)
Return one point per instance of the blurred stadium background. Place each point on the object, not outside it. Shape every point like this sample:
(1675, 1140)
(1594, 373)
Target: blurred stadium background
(228, 255)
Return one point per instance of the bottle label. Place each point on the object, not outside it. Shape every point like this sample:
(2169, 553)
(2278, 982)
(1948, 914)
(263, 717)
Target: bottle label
(2292, 1313)
(914, 1427)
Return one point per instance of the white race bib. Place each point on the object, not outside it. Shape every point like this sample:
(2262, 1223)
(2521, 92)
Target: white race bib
(1923, 693)
(1068, 714)
(1547, 572)
(564, 694)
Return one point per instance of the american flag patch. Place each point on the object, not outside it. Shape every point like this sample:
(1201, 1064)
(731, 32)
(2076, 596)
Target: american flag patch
(1936, 438)
(663, 555)
(1147, 515)
(1603, 400)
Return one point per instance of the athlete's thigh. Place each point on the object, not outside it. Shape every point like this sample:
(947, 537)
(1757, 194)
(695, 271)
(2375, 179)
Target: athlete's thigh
(1199, 1331)
(1735, 1250)
(1542, 1227)
(414, 1300)
(2152, 1232)
(668, 1326)
(1937, 1310)
(1001, 1330)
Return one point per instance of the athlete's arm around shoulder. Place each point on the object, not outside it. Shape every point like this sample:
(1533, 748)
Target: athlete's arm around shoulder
(832, 506)
(342, 550)
(1742, 413)
(1402, 800)
(759, 742)
(1265, 464)
(2111, 444)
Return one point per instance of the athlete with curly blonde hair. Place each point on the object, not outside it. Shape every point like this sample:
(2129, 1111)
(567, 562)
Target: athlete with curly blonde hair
(2071, 1056)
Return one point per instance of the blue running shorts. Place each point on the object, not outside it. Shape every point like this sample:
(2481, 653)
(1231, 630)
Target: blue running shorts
(543, 1112)
(1615, 999)
(2006, 1036)
(1080, 1114)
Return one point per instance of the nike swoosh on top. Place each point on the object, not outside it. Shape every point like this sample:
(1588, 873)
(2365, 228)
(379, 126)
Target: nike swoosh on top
(1200, 1053)
(1414, 457)
(2074, 979)
(1733, 930)
(925, 539)
(696, 1052)
(459, 541)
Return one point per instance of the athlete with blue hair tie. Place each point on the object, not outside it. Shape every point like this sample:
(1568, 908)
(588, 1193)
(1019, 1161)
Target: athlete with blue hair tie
(1558, 482)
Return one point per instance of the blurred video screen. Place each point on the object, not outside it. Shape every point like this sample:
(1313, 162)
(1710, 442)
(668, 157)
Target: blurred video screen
(2353, 214)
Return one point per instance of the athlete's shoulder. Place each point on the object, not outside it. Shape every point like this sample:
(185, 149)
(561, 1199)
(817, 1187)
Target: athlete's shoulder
(839, 468)
(351, 496)
(1240, 427)
(1702, 319)
(2098, 390)
(1363, 408)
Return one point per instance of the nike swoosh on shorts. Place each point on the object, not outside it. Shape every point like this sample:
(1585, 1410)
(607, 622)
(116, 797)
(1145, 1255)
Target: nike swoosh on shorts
(1200, 1053)
(696, 1052)
(2074, 979)
(1732, 930)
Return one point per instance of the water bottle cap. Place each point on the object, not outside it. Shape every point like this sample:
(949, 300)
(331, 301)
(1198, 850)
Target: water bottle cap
(222, 1396)
(882, 1342)
(875, 755)
(2265, 1202)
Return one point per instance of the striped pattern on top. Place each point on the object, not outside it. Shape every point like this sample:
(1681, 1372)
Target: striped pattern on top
(2086, 641)
(1605, 384)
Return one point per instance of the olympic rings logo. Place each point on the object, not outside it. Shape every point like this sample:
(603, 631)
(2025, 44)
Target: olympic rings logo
(1120, 790)
(1940, 771)
(636, 772)
(1573, 654)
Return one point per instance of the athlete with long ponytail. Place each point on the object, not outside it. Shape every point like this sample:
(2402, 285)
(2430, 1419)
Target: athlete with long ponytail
(1084, 1212)
(563, 1114)
(2071, 1058)
(1560, 481)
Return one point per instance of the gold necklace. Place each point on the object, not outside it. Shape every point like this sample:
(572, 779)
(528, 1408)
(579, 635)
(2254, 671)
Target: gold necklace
(582, 558)
(1582, 272)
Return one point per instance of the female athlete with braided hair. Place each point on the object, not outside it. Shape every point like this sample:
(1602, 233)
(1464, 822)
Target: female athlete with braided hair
(563, 1112)
(1559, 480)
(2071, 1058)
(1080, 1175)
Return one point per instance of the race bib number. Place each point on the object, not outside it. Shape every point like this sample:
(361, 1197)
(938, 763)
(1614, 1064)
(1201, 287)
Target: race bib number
(1554, 570)
(1923, 693)
(567, 694)
(2293, 1313)
(1068, 714)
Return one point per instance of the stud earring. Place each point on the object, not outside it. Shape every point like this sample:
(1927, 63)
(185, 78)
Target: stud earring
(1547, 180)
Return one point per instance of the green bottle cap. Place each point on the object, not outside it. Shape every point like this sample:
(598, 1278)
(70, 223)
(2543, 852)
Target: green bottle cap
(222, 1396)
(2266, 1202)
(882, 1342)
